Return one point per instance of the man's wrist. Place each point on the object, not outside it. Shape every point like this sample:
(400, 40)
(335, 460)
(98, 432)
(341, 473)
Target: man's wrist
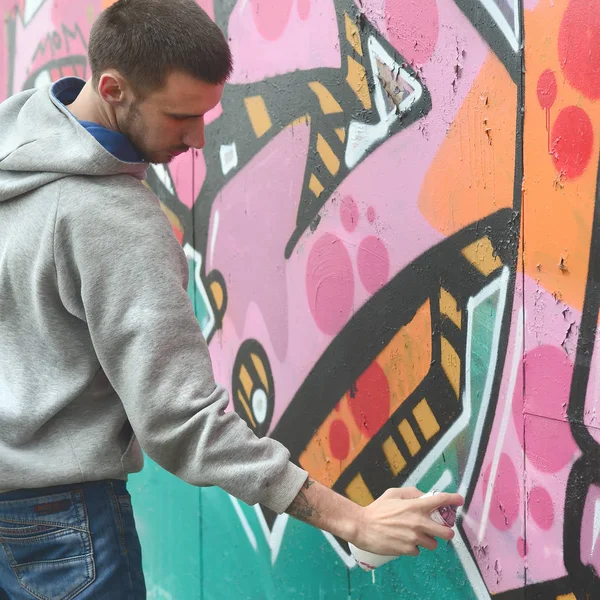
(352, 522)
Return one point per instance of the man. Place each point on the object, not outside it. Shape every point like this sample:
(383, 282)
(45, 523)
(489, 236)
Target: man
(101, 351)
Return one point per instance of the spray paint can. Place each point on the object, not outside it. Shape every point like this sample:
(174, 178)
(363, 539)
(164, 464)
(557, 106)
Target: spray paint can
(368, 561)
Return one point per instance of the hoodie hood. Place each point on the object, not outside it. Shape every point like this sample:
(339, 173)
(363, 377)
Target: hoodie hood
(42, 142)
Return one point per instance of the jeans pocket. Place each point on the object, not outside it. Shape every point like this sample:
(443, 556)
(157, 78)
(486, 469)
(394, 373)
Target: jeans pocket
(48, 544)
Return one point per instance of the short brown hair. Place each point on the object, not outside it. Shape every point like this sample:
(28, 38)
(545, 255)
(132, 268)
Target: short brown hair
(145, 40)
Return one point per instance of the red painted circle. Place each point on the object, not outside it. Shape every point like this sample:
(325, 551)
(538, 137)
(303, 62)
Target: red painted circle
(373, 263)
(303, 9)
(330, 283)
(349, 213)
(369, 402)
(546, 89)
(339, 439)
(271, 17)
(579, 46)
(572, 141)
(504, 507)
(541, 507)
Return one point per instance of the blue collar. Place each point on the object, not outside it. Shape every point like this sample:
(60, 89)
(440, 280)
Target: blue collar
(65, 90)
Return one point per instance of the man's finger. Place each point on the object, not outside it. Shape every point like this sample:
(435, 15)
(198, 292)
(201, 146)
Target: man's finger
(434, 502)
(427, 542)
(433, 529)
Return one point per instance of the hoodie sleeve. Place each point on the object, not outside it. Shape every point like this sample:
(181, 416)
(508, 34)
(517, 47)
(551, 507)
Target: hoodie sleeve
(120, 269)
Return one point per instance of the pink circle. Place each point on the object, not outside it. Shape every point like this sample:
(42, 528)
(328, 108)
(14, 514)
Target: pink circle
(541, 507)
(330, 284)
(413, 28)
(504, 507)
(546, 89)
(371, 214)
(373, 263)
(521, 547)
(349, 213)
(303, 9)
(339, 439)
(572, 141)
(271, 17)
(550, 445)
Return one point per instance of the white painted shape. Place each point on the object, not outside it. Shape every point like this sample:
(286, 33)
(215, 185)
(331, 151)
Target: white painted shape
(596, 526)
(164, 176)
(499, 284)
(213, 235)
(503, 24)
(346, 558)
(471, 569)
(191, 254)
(31, 7)
(444, 481)
(244, 521)
(361, 136)
(506, 413)
(517, 23)
(483, 295)
(259, 405)
(277, 535)
(229, 157)
(263, 524)
(273, 537)
(376, 50)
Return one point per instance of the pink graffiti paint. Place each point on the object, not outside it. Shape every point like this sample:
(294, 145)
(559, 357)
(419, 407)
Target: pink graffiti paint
(550, 339)
(591, 415)
(242, 218)
(188, 172)
(373, 263)
(330, 283)
(283, 38)
(541, 507)
(349, 213)
(548, 374)
(247, 216)
(413, 28)
(506, 494)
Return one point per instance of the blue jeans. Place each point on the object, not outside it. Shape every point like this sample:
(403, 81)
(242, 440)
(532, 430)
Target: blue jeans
(77, 541)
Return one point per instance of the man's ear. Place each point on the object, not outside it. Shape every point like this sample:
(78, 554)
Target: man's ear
(113, 88)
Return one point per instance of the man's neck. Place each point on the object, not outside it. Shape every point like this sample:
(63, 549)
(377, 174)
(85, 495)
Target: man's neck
(88, 107)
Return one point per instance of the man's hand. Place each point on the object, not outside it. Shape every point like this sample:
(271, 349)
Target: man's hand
(395, 524)
(399, 521)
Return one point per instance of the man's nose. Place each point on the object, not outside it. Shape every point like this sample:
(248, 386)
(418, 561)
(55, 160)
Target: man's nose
(194, 138)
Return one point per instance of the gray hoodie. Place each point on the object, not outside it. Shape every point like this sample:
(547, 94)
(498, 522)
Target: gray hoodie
(100, 351)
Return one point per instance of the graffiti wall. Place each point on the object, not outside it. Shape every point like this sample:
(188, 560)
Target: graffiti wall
(394, 249)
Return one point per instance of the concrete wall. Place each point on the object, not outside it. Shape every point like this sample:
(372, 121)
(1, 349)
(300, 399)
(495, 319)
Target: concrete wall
(394, 247)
